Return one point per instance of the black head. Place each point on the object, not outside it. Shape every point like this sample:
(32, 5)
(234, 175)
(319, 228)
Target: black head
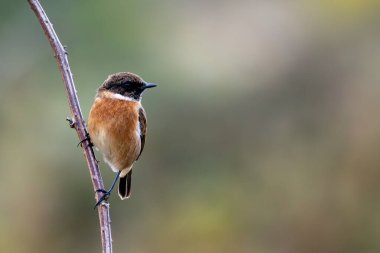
(126, 84)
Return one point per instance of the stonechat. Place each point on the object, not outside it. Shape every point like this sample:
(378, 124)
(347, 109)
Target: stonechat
(117, 126)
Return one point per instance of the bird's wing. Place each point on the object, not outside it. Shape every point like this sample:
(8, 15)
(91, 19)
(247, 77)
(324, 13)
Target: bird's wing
(142, 121)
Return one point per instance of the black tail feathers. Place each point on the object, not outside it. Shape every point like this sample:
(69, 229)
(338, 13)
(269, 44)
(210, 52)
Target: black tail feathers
(125, 185)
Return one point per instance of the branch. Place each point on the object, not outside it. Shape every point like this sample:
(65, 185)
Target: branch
(77, 122)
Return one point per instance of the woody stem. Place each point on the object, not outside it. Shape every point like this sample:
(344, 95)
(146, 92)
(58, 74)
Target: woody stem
(77, 121)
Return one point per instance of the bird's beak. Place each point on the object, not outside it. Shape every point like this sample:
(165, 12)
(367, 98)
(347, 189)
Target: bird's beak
(149, 85)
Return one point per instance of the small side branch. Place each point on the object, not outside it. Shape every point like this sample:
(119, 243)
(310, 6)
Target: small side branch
(77, 121)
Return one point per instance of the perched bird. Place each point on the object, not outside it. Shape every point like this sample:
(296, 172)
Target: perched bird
(117, 126)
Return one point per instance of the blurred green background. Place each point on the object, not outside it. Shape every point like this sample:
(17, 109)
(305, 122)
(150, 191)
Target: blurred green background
(264, 134)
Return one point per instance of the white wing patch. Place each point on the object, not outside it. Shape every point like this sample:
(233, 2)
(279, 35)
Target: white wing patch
(138, 129)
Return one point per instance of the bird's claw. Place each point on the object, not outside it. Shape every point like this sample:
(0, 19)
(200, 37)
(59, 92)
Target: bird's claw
(88, 138)
(101, 190)
(106, 195)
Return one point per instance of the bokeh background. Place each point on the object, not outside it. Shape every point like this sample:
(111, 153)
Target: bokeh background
(264, 134)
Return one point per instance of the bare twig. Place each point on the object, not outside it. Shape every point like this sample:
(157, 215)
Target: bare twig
(77, 121)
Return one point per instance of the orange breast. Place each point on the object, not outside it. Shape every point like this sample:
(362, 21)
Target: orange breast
(113, 126)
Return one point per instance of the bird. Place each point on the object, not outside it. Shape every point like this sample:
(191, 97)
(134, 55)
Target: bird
(117, 126)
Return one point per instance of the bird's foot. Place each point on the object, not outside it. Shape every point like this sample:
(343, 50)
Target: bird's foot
(88, 138)
(106, 195)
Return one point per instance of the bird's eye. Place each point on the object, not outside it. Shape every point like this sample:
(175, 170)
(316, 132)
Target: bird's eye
(132, 84)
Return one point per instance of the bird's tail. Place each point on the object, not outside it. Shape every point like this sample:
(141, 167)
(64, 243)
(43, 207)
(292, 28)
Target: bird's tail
(125, 185)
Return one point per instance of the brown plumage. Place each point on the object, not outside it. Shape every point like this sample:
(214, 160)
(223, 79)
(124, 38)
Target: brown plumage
(112, 128)
(117, 124)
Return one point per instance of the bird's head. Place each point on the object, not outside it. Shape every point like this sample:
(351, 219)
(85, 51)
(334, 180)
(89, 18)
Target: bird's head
(126, 84)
